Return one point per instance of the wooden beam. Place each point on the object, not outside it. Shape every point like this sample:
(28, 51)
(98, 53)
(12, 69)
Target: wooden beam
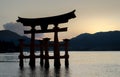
(49, 57)
(63, 18)
(46, 31)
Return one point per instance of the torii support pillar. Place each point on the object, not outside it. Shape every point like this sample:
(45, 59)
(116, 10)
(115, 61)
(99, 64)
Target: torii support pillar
(21, 63)
(66, 52)
(46, 45)
(41, 53)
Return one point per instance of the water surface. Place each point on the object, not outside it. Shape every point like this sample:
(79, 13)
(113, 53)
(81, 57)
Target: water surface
(82, 64)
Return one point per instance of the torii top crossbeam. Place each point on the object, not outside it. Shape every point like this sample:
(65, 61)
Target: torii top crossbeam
(47, 20)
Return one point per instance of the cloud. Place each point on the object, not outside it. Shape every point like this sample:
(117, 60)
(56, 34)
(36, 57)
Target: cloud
(19, 29)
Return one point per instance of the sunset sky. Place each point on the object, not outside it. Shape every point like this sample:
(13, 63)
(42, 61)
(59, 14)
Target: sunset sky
(91, 15)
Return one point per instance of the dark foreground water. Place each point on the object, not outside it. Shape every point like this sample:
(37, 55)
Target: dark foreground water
(82, 64)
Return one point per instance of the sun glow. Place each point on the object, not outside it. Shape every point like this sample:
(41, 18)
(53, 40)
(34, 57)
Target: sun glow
(93, 25)
(100, 27)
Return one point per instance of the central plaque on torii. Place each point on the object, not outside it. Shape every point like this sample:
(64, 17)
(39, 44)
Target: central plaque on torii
(44, 23)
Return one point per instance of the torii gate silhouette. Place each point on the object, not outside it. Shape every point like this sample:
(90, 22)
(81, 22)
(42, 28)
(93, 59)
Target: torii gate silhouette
(43, 23)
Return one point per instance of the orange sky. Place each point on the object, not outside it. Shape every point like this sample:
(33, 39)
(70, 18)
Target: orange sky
(92, 15)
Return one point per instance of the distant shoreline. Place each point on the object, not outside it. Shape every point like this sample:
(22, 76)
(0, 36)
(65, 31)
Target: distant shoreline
(63, 51)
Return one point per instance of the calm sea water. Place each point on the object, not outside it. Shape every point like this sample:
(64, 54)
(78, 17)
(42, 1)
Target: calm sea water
(82, 64)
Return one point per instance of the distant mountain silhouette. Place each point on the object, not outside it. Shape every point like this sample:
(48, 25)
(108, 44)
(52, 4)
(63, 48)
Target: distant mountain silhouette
(9, 36)
(99, 41)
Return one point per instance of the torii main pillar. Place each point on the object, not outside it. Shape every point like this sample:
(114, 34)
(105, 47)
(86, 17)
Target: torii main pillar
(32, 48)
(56, 47)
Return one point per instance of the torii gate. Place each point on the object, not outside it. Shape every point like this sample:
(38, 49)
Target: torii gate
(43, 23)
